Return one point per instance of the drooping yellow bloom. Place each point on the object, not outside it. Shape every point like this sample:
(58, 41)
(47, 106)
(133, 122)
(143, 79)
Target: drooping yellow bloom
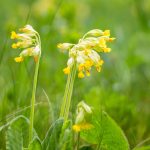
(66, 70)
(85, 53)
(14, 35)
(29, 41)
(81, 122)
(80, 74)
(18, 59)
(106, 33)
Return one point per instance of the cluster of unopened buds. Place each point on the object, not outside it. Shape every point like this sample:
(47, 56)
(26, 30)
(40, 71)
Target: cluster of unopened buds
(85, 53)
(28, 41)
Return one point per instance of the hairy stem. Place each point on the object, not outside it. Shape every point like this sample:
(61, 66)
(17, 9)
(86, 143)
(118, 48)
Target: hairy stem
(33, 100)
(68, 94)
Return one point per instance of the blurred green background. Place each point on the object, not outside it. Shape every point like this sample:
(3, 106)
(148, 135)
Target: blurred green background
(123, 86)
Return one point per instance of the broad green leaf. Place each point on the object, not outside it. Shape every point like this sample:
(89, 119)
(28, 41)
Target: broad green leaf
(52, 138)
(15, 133)
(35, 144)
(65, 140)
(106, 133)
(14, 139)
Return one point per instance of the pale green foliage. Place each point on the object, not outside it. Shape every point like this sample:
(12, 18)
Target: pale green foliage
(17, 133)
(35, 144)
(66, 136)
(59, 136)
(14, 140)
(106, 133)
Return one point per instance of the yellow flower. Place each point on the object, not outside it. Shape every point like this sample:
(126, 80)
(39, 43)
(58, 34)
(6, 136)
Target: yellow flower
(102, 42)
(82, 126)
(14, 35)
(88, 73)
(98, 68)
(106, 50)
(29, 40)
(106, 33)
(111, 39)
(101, 62)
(80, 74)
(66, 70)
(88, 63)
(19, 59)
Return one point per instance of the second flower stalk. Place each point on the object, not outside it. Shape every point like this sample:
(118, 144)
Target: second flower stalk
(29, 41)
(82, 57)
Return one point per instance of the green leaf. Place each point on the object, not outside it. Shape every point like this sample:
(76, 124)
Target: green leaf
(65, 141)
(15, 132)
(52, 138)
(14, 139)
(106, 133)
(35, 144)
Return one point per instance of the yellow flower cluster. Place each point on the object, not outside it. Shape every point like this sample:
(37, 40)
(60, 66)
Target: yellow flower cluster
(85, 52)
(29, 41)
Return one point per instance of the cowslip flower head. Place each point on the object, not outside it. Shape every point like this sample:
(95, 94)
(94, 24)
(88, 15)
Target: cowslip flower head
(86, 52)
(28, 41)
(82, 113)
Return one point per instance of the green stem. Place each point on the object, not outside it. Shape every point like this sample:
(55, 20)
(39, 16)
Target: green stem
(78, 140)
(65, 96)
(33, 100)
(68, 94)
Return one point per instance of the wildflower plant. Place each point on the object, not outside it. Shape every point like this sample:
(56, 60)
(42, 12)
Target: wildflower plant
(83, 56)
(96, 128)
(29, 41)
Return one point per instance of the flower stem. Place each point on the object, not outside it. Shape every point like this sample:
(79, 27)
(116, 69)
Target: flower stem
(68, 94)
(33, 100)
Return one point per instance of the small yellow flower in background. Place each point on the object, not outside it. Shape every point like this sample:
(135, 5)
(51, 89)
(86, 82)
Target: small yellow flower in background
(85, 53)
(83, 126)
(82, 114)
(28, 41)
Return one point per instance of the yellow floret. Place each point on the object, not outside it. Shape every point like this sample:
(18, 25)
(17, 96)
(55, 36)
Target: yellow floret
(76, 128)
(102, 42)
(111, 39)
(14, 35)
(106, 33)
(106, 50)
(19, 59)
(66, 70)
(88, 73)
(81, 67)
(82, 126)
(88, 63)
(101, 62)
(80, 74)
(14, 45)
(98, 68)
